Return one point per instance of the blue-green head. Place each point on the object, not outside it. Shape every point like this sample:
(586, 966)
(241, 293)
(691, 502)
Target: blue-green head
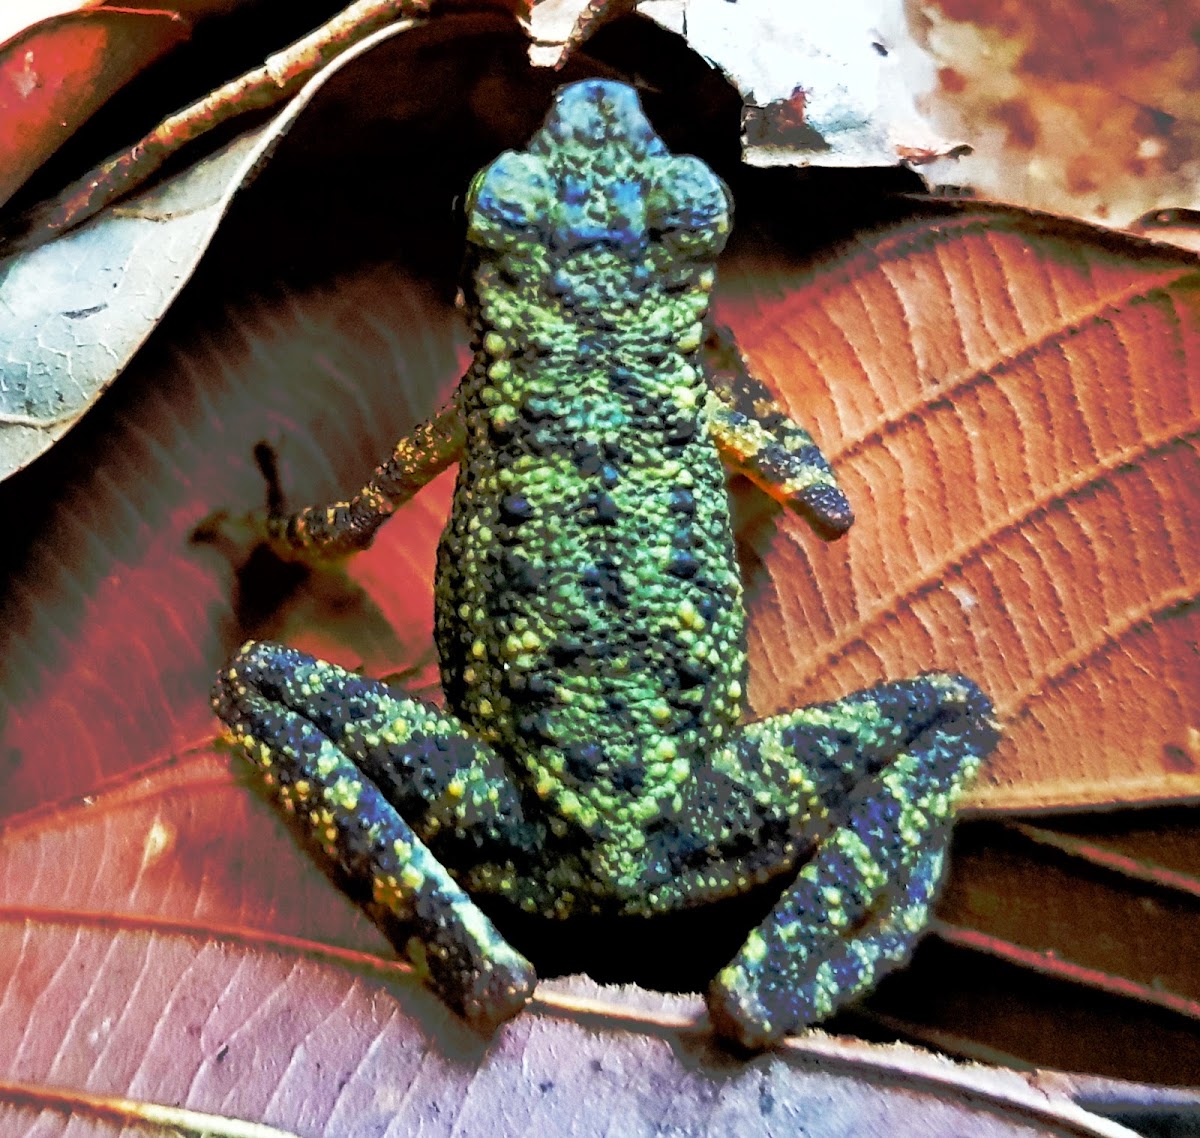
(597, 185)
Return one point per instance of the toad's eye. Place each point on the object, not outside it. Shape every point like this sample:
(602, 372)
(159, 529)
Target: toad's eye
(510, 199)
(688, 207)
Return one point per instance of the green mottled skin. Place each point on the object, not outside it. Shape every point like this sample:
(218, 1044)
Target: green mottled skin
(590, 627)
(623, 529)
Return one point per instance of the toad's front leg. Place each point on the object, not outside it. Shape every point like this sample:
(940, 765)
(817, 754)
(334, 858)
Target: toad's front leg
(376, 779)
(760, 440)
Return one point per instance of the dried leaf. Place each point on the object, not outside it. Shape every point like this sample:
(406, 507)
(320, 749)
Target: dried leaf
(73, 311)
(1058, 947)
(146, 973)
(55, 74)
(269, 84)
(113, 624)
(1013, 410)
(1085, 109)
(822, 87)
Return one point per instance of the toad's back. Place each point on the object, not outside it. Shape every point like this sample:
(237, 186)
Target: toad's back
(589, 616)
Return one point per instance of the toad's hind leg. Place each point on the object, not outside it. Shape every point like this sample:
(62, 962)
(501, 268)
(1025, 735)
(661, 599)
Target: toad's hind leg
(859, 904)
(346, 756)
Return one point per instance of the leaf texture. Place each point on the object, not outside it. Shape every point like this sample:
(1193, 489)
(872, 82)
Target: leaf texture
(1014, 410)
(186, 1005)
(116, 628)
(55, 74)
(74, 311)
(142, 884)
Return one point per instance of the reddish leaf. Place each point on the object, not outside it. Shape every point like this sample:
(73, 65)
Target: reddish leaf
(1012, 406)
(54, 75)
(144, 972)
(114, 623)
(120, 634)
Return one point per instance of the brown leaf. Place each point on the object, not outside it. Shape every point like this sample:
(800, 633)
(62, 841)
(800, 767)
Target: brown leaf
(1012, 407)
(113, 623)
(55, 74)
(1063, 946)
(73, 311)
(146, 973)
(1086, 109)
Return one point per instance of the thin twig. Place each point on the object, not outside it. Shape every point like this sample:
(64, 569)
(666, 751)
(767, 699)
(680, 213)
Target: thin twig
(134, 1112)
(275, 81)
(593, 15)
